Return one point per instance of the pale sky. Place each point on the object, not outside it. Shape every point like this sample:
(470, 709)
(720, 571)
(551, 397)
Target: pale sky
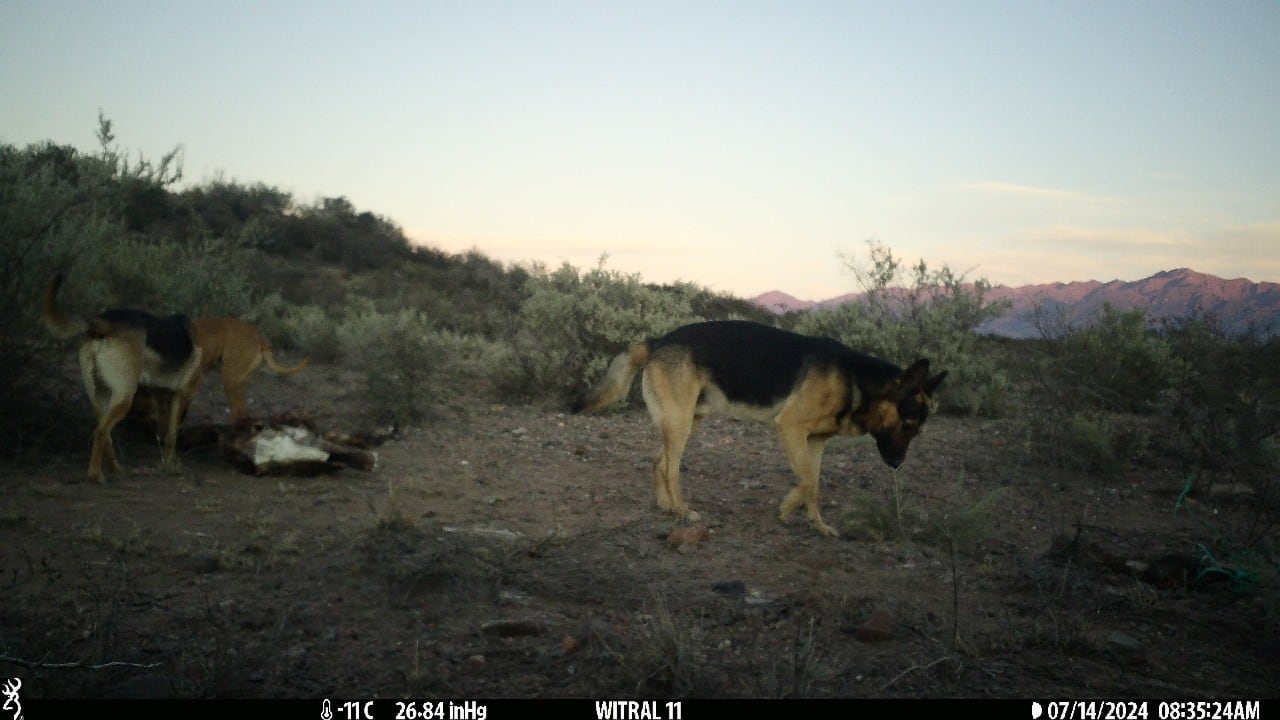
(742, 146)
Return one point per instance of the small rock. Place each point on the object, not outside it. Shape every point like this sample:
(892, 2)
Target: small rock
(512, 597)
(589, 632)
(1126, 649)
(513, 628)
(690, 535)
(204, 563)
(732, 588)
(882, 626)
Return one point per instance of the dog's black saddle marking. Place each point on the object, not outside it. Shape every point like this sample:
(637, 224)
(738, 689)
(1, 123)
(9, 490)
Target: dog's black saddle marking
(169, 337)
(760, 365)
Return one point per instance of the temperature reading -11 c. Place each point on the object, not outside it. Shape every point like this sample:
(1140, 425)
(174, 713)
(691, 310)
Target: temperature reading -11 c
(351, 710)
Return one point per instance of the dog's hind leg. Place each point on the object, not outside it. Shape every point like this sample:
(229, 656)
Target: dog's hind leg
(104, 450)
(187, 386)
(111, 368)
(173, 414)
(804, 451)
(234, 382)
(672, 407)
(103, 399)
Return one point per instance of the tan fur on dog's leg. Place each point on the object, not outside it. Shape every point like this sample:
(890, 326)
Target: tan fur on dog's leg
(111, 386)
(675, 421)
(234, 384)
(189, 384)
(805, 455)
(169, 455)
(103, 447)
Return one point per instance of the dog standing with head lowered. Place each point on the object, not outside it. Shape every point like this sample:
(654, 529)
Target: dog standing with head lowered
(124, 349)
(810, 388)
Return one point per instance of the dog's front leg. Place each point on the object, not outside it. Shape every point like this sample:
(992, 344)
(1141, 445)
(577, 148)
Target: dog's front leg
(666, 480)
(805, 453)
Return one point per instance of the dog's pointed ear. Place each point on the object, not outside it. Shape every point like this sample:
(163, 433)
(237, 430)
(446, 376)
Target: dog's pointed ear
(913, 378)
(932, 383)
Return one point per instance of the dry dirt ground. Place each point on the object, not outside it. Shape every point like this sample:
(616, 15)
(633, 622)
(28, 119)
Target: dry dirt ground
(513, 552)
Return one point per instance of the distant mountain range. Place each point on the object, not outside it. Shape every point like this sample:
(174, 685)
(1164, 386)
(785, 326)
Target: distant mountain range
(1239, 305)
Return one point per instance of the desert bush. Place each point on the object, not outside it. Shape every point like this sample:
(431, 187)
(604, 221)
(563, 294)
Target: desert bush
(666, 657)
(228, 209)
(1221, 421)
(1117, 362)
(961, 524)
(397, 354)
(1243, 555)
(880, 518)
(313, 329)
(464, 362)
(935, 315)
(1092, 388)
(1222, 403)
(164, 278)
(409, 363)
(1086, 440)
(71, 212)
(573, 323)
(466, 293)
(46, 216)
(333, 232)
(1101, 393)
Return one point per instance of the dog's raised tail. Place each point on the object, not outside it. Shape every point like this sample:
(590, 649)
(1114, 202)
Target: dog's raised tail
(61, 326)
(616, 382)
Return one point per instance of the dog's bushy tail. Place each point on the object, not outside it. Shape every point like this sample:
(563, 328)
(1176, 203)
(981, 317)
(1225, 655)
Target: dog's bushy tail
(280, 369)
(61, 326)
(616, 381)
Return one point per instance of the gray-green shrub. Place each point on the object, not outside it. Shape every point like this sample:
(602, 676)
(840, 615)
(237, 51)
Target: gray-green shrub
(573, 323)
(397, 355)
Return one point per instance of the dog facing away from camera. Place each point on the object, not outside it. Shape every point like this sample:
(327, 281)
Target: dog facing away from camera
(810, 388)
(124, 349)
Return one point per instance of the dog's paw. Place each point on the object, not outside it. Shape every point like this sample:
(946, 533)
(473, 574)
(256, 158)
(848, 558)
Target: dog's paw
(825, 529)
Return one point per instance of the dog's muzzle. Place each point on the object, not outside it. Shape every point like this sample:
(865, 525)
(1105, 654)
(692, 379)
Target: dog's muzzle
(890, 451)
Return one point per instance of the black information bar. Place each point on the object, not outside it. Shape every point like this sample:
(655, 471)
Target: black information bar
(624, 709)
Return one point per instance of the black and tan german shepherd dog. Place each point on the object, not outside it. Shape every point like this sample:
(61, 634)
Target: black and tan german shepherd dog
(810, 388)
(122, 350)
